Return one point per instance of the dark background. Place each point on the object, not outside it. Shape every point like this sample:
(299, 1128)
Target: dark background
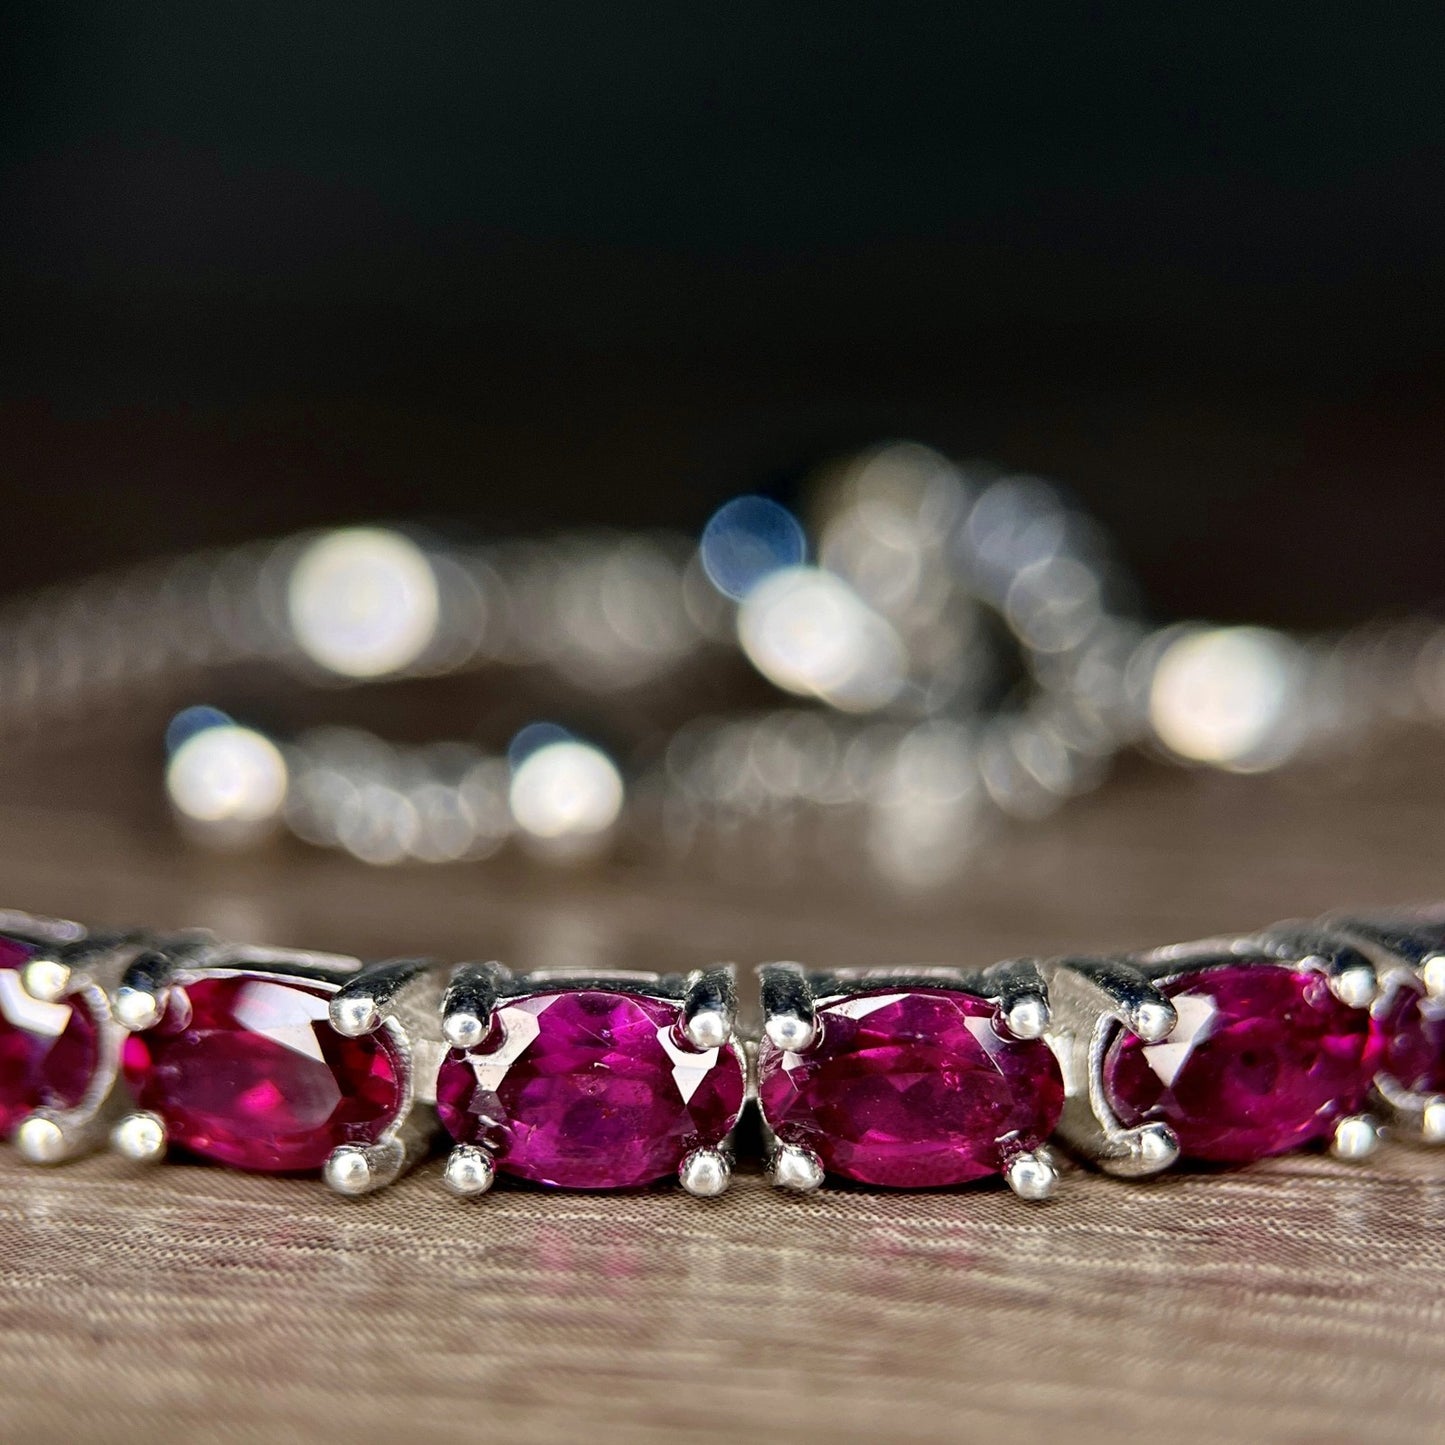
(536, 266)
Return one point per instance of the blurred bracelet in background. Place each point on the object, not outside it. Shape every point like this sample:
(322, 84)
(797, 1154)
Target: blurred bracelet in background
(939, 647)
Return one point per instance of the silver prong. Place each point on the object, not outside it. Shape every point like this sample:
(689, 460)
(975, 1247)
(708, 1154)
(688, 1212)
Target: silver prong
(1343, 959)
(464, 1030)
(705, 1173)
(1028, 1018)
(358, 1007)
(469, 1171)
(46, 978)
(1355, 1138)
(1355, 986)
(354, 1015)
(1033, 1176)
(137, 1008)
(1138, 1002)
(791, 1033)
(348, 1172)
(795, 1168)
(789, 1018)
(1140, 1152)
(140, 1137)
(1432, 975)
(355, 1169)
(708, 1029)
(42, 1140)
(710, 1007)
(140, 1000)
(470, 1003)
(1432, 1122)
(1153, 1020)
(1021, 993)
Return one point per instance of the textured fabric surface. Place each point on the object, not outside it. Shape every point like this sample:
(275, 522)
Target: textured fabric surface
(1299, 1300)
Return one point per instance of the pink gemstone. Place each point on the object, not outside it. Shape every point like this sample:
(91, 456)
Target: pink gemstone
(1264, 1059)
(912, 1089)
(249, 1072)
(48, 1051)
(1411, 1029)
(588, 1089)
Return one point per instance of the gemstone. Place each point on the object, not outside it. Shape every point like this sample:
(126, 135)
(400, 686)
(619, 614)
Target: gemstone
(48, 1051)
(1264, 1058)
(248, 1071)
(912, 1089)
(589, 1089)
(1411, 1029)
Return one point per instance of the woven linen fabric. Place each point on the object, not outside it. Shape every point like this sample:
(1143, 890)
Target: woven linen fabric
(1297, 1300)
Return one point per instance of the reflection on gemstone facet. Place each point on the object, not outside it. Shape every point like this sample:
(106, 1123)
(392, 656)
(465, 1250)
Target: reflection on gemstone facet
(1264, 1059)
(589, 1089)
(911, 1089)
(48, 1051)
(1411, 1029)
(249, 1072)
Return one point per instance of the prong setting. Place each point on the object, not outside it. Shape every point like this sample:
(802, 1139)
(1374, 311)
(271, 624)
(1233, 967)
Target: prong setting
(1153, 1020)
(140, 1137)
(1033, 1176)
(705, 1173)
(358, 1008)
(1028, 1018)
(470, 1002)
(1432, 975)
(354, 1015)
(348, 1171)
(46, 978)
(464, 1030)
(1432, 1122)
(41, 1140)
(1355, 986)
(469, 1171)
(795, 1169)
(789, 1014)
(1355, 1138)
(709, 1007)
(137, 1008)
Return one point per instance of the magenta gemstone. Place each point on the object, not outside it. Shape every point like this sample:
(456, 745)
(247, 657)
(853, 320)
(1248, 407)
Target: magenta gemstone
(1411, 1029)
(912, 1089)
(589, 1089)
(48, 1051)
(1264, 1059)
(249, 1072)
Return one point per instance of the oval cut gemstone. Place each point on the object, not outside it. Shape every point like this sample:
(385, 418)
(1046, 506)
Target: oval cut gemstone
(589, 1089)
(249, 1072)
(1411, 1029)
(48, 1051)
(912, 1089)
(1264, 1058)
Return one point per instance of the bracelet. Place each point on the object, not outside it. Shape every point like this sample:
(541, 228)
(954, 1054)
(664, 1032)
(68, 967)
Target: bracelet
(1224, 1051)
(943, 647)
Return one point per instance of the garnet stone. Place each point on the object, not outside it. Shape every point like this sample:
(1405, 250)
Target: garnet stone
(1264, 1058)
(1411, 1029)
(48, 1051)
(911, 1089)
(589, 1089)
(249, 1072)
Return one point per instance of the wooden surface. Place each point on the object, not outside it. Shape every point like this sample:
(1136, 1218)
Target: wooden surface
(1296, 1300)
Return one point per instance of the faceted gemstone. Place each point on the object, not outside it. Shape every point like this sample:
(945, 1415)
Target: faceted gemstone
(589, 1089)
(48, 1051)
(912, 1089)
(1264, 1059)
(249, 1072)
(1411, 1029)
